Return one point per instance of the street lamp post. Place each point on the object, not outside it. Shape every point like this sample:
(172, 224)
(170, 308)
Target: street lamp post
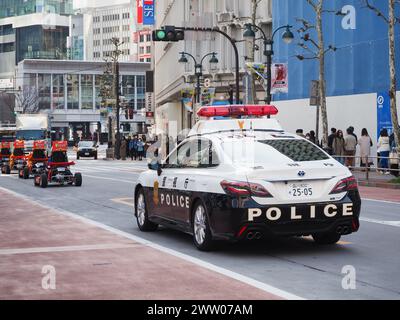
(269, 49)
(198, 67)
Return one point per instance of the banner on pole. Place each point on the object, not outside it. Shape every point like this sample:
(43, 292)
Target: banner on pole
(384, 115)
(148, 12)
(139, 7)
(280, 75)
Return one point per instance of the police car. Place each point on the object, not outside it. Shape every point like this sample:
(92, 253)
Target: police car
(239, 175)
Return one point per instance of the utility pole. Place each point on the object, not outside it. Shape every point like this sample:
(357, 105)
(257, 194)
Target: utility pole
(115, 57)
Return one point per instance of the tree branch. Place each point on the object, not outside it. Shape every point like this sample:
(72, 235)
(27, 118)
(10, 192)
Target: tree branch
(376, 10)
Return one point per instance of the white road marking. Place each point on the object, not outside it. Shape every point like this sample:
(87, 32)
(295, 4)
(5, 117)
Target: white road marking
(228, 273)
(65, 248)
(386, 223)
(104, 178)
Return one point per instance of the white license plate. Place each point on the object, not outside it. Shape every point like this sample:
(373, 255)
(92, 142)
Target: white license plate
(300, 190)
(61, 169)
(86, 153)
(39, 164)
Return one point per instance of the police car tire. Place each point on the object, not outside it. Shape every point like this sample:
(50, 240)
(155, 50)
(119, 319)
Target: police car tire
(326, 238)
(208, 242)
(143, 221)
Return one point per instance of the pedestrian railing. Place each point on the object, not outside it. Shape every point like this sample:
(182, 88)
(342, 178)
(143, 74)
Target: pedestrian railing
(373, 164)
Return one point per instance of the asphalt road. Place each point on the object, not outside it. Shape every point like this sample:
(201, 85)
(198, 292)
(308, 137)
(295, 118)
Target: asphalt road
(295, 265)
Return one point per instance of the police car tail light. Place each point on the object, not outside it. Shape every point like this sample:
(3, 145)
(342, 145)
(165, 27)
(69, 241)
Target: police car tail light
(244, 189)
(344, 185)
(238, 110)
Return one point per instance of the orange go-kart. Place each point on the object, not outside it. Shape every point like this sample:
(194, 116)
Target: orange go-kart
(58, 168)
(17, 160)
(36, 161)
(5, 154)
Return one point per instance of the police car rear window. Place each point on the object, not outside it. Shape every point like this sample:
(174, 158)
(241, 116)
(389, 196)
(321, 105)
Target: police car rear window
(297, 150)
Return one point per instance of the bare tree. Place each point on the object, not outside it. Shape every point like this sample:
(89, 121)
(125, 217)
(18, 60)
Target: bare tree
(391, 20)
(316, 49)
(25, 100)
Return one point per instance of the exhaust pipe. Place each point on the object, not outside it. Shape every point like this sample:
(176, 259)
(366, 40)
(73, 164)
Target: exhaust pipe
(250, 236)
(258, 236)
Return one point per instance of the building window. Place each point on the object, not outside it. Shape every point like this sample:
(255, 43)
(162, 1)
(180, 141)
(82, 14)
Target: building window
(125, 27)
(58, 92)
(44, 82)
(148, 49)
(87, 91)
(148, 38)
(141, 50)
(128, 90)
(72, 91)
(141, 38)
(148, 60)
(98, 83)
(140, 92)
(141, 60)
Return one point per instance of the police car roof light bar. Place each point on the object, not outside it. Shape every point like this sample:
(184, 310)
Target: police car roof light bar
(238, 110)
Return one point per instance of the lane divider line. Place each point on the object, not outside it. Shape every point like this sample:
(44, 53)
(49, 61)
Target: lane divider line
(225, 272)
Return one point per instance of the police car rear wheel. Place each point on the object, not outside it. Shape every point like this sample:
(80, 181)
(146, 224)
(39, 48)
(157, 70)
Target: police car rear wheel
(142, 219)
(326, 238)
(201, 230)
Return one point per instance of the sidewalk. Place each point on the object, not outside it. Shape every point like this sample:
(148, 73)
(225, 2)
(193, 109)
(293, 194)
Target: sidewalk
(93, 263)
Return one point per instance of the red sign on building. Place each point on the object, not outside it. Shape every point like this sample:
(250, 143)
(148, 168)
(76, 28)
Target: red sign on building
(139, 5)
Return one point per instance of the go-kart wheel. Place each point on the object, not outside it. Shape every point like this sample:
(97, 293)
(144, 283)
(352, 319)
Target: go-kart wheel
(78, 179)
(21, 173)
(26, 173)
(43, 180)
(7, 169)
(77, 156)
(36, 181)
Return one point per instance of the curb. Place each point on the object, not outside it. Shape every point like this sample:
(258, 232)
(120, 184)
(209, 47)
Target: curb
(384, 185)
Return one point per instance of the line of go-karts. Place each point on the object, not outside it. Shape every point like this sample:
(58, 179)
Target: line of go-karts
(44, 167)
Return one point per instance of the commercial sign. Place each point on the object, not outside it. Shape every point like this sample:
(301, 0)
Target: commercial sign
(139, 6)
(207, 96)
(384, 116)
(187, 95)
(279, 77)
(149, 101)
(148, 12)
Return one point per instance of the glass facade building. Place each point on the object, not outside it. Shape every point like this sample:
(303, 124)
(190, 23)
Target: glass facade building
(82, 91)
(36, 42)
(12, 8)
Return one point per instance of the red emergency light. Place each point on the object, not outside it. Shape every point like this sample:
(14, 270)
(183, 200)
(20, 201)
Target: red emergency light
(237, 111)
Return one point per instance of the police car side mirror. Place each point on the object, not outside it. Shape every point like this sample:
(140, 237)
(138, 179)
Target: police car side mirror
(156, 166)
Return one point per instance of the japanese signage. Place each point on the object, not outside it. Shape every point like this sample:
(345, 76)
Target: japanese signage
(148, 12)
(139, 6)
(280, 78)
(384, 116)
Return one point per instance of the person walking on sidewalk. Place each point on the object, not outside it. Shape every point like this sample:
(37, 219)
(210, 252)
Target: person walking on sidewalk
(331, 137)
(140, 149)
(350, 147)
(365, 143)
(122, 149)
(131, 148)
(383, 151)
(338, 146)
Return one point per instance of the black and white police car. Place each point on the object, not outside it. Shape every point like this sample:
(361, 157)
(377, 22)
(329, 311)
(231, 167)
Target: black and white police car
(243, 177)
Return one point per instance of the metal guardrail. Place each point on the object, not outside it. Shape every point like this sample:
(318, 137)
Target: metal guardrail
(368, 168)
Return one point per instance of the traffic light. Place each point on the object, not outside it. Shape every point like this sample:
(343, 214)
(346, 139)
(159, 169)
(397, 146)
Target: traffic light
(168, 34)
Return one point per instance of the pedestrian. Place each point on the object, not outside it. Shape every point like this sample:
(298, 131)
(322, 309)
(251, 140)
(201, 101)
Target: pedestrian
(312, 138)
(350, 147)
(331, 137)
(123, 149)
(365, 143)
(131, 147)
(140, 149)
(383, 151)
(338, 146)
(135, 147)
(352, 133)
